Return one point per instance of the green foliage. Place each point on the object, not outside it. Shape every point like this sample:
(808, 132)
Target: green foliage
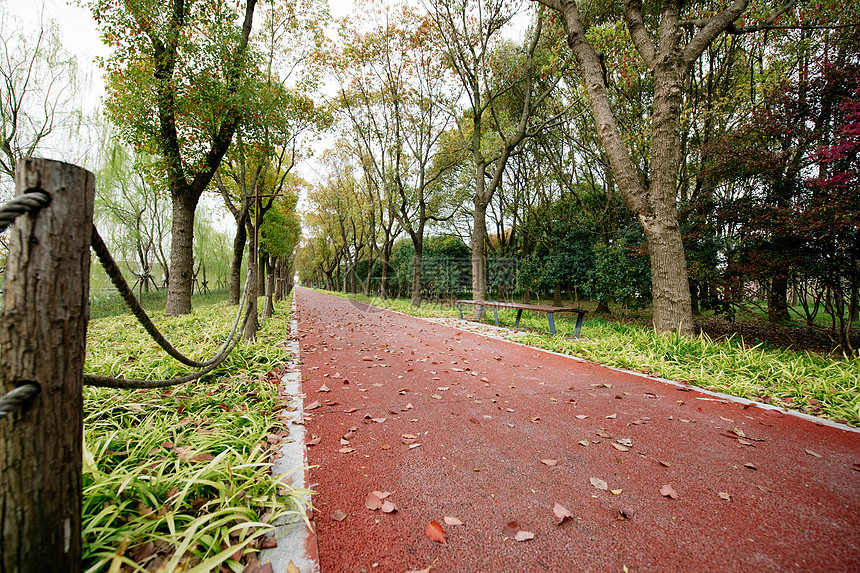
(620, 275)
(187, 468)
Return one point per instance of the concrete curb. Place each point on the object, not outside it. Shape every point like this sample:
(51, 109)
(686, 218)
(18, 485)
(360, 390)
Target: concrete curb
(297, 543)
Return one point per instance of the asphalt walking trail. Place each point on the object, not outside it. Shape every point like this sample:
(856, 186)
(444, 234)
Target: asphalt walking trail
(494, 434)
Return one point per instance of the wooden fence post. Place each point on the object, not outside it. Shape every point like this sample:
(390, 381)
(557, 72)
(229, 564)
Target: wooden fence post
(43, 338)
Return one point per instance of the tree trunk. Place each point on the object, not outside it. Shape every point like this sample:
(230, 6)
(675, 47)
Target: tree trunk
(417, 268)
(181, 256)
(43, 338)
(253, 324)
(777, 300)
(270, 288)
(383, 282)
(669, 283)
(479, 256)
(556, 296)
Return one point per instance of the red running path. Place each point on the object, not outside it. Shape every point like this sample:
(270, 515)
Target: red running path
(486, 412)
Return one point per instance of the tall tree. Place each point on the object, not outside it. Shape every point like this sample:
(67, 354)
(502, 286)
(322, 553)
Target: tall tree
(175, 84)
(677, 37)
(471, 31)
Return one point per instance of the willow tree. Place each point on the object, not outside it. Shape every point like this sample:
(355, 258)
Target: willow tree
(176, 88)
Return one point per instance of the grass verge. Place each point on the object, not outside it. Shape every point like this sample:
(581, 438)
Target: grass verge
(180, 478)
(806, 382)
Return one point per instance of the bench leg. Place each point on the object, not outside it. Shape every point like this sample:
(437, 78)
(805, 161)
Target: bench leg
(519, 314)
(551, 323)
(579, 318)
(460, 306)
(496, 314)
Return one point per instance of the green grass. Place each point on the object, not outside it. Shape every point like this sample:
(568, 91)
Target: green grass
(109, 303)
(807, 382)
(182, 475)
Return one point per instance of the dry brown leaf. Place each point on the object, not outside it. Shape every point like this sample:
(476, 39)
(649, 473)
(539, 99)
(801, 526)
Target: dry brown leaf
(620, 448)
(549, 462)
(616, 491)
(856, 467)
(561, 513)
(523, 535)
(668, 491)
(291, 568)
(324, 388)
(811, 453)
(346, 450)
(599, 483)
(436, 396)
(750, 465)
(583, 442)
(725, 496)
(313, 405)
(350, 411)
(611, 416)
(372, 501)
(452, 521)
(435, 532)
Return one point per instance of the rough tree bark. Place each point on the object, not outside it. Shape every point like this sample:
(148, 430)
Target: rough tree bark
(43, 338)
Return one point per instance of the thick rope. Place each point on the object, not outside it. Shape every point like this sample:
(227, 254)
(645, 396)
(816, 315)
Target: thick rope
(108, 382)
(29, 202)
(125, 291)
(14, 399)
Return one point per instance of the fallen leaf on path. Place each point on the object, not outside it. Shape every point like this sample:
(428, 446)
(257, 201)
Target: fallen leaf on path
(599, 483)
(513, 530)
(625, 442)
(314, 441)
(313, 405)
(435, 532)
(350, 411)
(616, 491)
(419, 570)
(583, 442)
(338, 515)
(324, 388)
(620, 448)
(524, 535)
(627, 513)
(668, 491)
(385, 447)
(612, 416)
(436, 396)
(388, 507)
(581, 416)
(750, 466)
(452, 521)
(291, 568)
(856, 467)
(372, 501)
(413, 446)
(603, 434)
(811, 453)
(561, 513)
(551, 463)
(346, 450)
(378, 420)
(349, 435)
(665, 464)
(725, 496)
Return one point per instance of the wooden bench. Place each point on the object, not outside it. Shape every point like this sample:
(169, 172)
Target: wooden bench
(549, 310)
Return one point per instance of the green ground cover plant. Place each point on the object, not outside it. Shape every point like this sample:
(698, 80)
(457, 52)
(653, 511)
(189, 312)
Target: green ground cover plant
(180, 478)
(808, 382)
